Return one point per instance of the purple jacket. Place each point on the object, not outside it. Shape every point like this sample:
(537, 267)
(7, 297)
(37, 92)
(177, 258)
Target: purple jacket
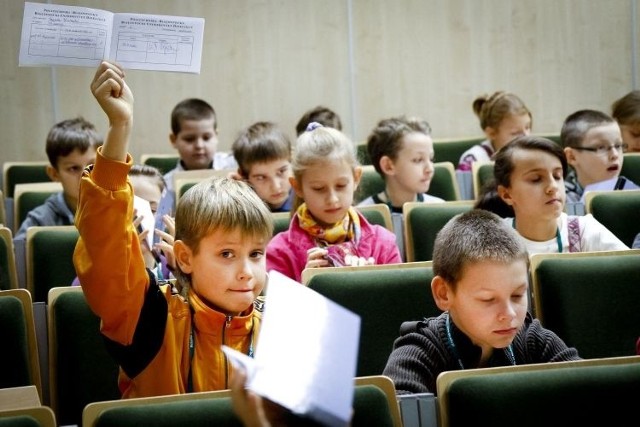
(287, 250)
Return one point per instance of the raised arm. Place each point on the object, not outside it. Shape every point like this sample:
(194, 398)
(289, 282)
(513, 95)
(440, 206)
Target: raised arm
(108, 258)
(115, 98)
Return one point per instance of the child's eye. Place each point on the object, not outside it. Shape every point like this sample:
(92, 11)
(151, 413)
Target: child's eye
(517, 297)
(257, 254)
(226, 254)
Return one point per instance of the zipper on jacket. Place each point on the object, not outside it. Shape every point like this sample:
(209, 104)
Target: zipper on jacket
(227, 323)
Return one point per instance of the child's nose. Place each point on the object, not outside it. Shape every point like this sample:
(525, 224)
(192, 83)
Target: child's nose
(246, 272)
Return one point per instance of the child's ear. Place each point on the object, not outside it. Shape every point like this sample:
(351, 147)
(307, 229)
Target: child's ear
(490, 133)
(441, 292)
(386, 165)
(172, 138)
(53, 174)
(570, 154)
(504, 194)
(183, 256)
(296, 187)
(357, 175)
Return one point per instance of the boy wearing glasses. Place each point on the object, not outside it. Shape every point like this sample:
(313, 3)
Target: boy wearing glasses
(593, 147)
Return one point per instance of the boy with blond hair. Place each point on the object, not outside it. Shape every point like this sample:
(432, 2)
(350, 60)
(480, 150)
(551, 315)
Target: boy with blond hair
(168, 340)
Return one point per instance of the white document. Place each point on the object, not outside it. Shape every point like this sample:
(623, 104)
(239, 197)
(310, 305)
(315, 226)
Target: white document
(307, 353)
(79, 36)
(143, 209)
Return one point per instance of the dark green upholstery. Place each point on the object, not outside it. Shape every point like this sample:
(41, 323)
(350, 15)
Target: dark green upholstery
(363, 154)
(370, 406)
(591, 302)
(19, 421)
(20, 173)
(572, 396)
(8, 274)
(14, 357)
(631, 167)
(423, 223)
(450, 150)
(163, 164)
(185, 187)
(192, 413)
(52, 262)
(484, 176)
(281, 223)
(371, 183)
(29, 201)
(443, 184)
(29, 416)
(383, 299)
(84, 371)
(374, 217)
(619, 212)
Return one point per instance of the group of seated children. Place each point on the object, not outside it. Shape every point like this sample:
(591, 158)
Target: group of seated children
(219, 246)
(168, 340)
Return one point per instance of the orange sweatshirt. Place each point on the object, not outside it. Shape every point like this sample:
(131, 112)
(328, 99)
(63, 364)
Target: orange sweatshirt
(148, 327)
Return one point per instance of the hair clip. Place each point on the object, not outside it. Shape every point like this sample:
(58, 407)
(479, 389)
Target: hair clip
(312, 126)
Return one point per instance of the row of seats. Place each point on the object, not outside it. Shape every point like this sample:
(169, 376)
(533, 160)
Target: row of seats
(446, 184)
(49, 250)
(48, 253)
(568, 292)
(81, 372)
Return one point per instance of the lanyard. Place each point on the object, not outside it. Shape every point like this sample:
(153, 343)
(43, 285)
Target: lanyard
(508, 350)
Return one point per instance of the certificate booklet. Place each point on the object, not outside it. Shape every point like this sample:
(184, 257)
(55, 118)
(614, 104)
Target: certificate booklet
(307, 353)
(79, 36)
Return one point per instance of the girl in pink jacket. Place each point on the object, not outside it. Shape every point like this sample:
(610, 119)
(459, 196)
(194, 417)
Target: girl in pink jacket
(325, 229)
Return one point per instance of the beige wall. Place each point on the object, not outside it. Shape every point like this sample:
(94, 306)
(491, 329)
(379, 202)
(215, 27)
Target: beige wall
(366, 59)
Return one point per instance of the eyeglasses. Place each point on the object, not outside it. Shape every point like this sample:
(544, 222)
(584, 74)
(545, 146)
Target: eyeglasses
(603, 150)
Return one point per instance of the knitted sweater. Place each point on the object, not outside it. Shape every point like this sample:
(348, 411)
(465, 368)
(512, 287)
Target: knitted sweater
(422, 352)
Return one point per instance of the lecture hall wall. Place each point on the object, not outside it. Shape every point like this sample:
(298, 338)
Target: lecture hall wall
(366, 59)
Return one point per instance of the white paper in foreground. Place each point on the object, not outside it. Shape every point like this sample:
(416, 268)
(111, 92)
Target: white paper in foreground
(307, 353)
(55, 34)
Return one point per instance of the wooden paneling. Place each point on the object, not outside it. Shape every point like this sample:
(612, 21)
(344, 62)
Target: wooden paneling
(274, 59)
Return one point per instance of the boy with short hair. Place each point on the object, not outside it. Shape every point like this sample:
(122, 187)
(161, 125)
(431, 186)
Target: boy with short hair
(194, 133)
(480, 281)
(71, 146)
(166, 340)
(263, 154)
(594, 148)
